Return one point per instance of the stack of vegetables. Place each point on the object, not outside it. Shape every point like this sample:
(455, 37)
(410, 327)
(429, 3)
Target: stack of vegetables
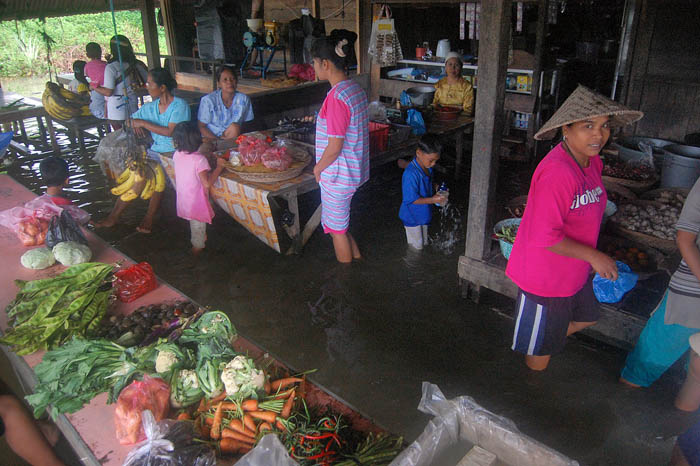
(46, 313)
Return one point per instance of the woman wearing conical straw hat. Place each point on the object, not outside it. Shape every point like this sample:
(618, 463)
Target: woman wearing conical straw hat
(554, 249)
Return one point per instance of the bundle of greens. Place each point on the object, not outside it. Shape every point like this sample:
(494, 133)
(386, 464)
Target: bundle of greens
(46, 313)
(73, 374)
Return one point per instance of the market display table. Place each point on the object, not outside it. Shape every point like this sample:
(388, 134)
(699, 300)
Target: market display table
(454, 127)
(90, 431)
(12, 119)
(250, 204)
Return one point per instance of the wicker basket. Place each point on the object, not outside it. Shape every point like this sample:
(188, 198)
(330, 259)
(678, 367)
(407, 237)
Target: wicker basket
(620, 191)
(262, 174)
(656, 258)
(506, 247)
(637, 186)
(653, 195)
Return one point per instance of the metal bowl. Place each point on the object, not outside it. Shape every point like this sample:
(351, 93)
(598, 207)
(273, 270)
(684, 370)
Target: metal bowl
(421, 95)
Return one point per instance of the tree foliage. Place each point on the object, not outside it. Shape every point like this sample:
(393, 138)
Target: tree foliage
(25, 44)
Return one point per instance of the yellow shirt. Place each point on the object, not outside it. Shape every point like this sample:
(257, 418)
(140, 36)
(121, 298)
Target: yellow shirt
(455, 95)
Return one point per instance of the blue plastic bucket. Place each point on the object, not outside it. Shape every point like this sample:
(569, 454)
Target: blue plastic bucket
(506, 247)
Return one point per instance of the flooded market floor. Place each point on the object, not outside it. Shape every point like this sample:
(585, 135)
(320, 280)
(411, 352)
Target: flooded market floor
(376, 329)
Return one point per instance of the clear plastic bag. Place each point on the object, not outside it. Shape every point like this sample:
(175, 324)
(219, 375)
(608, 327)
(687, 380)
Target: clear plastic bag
(463, 419)
(152, 394)
(269, 451)
(169, 443)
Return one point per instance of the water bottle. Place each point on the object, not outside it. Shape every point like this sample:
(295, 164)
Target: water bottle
(443, 191)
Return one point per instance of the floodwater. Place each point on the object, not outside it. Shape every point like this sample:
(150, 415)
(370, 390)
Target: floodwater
(377, 328)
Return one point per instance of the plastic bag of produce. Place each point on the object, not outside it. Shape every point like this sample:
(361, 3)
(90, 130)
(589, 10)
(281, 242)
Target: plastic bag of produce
(148, 394)
(608, 291)
(268, 451)
(134, 282)
(31, 231)
(64, 228)
(169, 443)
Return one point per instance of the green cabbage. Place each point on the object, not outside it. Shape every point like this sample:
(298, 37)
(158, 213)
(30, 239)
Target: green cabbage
(71, 253)
(38, 258)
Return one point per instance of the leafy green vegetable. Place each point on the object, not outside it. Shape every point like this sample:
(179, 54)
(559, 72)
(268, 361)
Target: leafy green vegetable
(77, 371)
(508, 233)
(45, 313)
(71, 253)
(184, 388)
(38, 258)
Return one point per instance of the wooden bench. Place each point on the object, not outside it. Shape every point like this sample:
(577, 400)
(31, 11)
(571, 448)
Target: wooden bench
(77, 128)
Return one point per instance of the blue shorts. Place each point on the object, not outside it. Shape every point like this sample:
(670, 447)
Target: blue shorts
(689, 443)
(541, 323)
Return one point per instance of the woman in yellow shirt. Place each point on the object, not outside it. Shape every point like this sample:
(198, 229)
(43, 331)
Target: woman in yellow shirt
(453, 90)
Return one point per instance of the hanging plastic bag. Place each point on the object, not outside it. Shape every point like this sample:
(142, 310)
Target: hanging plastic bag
(608, 291)
(269, 450)
(134, 282)
(169, 443)
(64, 228)
(151, 394)
(384, 46)
(415, 120)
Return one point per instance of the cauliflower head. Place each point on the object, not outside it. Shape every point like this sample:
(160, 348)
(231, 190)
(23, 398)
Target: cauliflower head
(241, 378)
(165, 361)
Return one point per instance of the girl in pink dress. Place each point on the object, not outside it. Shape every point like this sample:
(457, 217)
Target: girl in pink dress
(193, 178)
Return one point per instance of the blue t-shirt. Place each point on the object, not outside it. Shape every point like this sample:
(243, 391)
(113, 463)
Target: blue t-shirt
(415, 184)
(177, 112)
(218, 117)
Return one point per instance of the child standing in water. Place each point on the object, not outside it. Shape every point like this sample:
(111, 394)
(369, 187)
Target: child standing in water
(193, 178)
(417, 190)
(342, 144)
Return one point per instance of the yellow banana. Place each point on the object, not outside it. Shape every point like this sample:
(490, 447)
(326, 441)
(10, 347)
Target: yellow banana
(128, 196)
(126, 185)
(135, 190)
(124, 176)
(149, 188)
(68, 94)
(160, 178)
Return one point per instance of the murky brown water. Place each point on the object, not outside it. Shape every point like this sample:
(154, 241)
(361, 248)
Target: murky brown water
(377, 328)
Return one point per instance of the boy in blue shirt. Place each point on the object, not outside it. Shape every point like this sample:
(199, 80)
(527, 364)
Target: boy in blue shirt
(417, 189)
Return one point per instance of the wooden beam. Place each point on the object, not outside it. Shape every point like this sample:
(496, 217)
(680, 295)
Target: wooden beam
(315, 8)
(363, 26)
(540, 34)
(488, 128)
(150, 32)
(167, 11)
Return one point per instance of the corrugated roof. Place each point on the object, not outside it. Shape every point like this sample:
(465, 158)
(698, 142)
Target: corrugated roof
(27, 9)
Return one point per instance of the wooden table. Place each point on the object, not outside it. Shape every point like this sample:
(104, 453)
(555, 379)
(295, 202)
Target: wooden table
(13, 120)
(448, 128)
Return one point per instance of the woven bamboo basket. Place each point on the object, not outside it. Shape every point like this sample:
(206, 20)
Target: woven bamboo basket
(636, 186)
(616, 192)
(261, 174)
(614, 228)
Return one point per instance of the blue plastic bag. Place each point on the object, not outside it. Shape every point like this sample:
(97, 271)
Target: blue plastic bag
(608, 291)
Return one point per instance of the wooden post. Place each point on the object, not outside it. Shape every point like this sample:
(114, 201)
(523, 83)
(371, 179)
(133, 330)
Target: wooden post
(363, 26)
(315, 8)
(150, 33)
(540, 32)
(488, 128)
(166, 9)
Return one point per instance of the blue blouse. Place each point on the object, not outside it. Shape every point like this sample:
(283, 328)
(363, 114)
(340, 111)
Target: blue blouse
(178, 111)
(218, 117)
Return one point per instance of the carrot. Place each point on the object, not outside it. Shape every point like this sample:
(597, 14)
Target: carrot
(287, 408)
(267, 416)
(184, 416)
(209, 421)
(229, 406)
(238, 426)
(264, 426)
(229, 445)
(216, 426)
(280, 426)
(206, 431)
(284, 383)
(202, 405)
(230, 433)
(249, 423)
(250, 405)
(267, 387)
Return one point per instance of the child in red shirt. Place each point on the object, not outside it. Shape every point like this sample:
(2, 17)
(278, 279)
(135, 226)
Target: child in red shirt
(54, 172)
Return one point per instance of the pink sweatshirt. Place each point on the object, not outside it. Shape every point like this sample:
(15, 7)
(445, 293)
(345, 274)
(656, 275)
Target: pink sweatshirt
(565, 200)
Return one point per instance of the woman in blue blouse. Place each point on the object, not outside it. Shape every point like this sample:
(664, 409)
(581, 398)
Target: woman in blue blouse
(158, 118)
(222, 112)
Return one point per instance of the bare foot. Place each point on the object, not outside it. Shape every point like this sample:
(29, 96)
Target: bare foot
(106, 223)
(629, 384)
(197, 251)
(145, 226)
(50, 431)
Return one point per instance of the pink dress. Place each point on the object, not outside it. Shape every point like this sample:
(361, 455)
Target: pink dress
(565, 200)
(192, 197)
(95, 70)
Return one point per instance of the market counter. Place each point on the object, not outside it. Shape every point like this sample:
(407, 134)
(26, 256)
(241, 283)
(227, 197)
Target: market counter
(90, 431)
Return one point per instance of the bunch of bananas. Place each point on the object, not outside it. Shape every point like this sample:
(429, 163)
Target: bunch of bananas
(63, 104)
(141, 178)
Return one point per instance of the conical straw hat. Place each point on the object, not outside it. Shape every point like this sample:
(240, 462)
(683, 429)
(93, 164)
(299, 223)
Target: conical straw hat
(583, 104)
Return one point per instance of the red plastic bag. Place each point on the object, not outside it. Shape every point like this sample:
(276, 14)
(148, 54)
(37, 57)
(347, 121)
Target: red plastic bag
(134, 282)
(32, 230)
(150, 393)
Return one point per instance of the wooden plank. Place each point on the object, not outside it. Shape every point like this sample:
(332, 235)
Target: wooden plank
(166, 9)
(363, 25)
(150, 32)
(640, 58)
(493, 61)
(311, 225)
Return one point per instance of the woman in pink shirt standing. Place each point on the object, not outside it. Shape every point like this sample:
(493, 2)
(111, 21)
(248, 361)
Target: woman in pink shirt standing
(554, 249)
(193, 178)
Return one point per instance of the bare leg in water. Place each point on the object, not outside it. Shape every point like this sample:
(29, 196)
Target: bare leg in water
(120, 206)
(346, 248)
(540, 363)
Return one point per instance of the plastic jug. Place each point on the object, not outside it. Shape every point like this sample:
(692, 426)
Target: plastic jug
(443, 48)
